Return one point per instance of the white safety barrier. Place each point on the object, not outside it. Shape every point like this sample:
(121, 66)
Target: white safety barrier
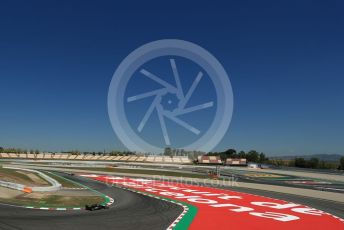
(55, 185)
(12, 185)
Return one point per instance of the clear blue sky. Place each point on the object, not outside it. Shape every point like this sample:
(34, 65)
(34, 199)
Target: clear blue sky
(285, 60)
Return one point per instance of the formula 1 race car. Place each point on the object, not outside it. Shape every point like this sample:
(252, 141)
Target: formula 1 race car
(95, 207)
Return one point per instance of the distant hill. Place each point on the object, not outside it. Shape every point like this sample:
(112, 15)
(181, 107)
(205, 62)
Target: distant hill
(322, 157)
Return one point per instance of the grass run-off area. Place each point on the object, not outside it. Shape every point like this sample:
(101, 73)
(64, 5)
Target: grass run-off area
(21, 177)
(65, 183)
(14, 173)
(58, 199)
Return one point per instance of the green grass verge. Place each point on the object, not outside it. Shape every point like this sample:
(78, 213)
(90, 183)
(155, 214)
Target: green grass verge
(13, 173)
(104, 197)
(63, 181)
(59, 201)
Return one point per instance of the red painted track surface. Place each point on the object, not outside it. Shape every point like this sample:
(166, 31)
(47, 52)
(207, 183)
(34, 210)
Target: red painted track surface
(224, 209)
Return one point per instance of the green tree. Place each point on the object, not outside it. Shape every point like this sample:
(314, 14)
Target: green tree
(229, 153)
(75, 152)
(341, 163)
(313, 163)
(300, 162)
(262, 158)
(168, 151)
(252, 156)
(290, 163)
(242, 154)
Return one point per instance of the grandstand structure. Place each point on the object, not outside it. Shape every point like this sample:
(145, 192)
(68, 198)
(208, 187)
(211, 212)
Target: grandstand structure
(209, 160)
(236, 162)
(89, 157)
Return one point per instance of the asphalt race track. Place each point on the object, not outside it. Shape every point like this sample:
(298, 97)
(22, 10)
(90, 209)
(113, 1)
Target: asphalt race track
(130, 211)
(220, 209)
(313, 184)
